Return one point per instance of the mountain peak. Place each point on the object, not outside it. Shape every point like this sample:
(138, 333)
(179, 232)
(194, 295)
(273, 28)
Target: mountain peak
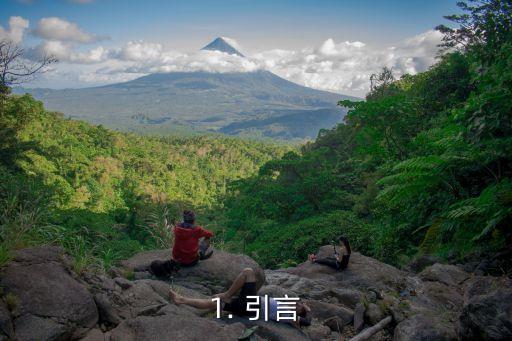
(222, 44)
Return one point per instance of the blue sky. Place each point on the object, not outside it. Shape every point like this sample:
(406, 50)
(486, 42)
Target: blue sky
(258, 26)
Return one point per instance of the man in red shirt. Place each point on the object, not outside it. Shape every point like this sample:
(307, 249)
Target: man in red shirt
(188, 247)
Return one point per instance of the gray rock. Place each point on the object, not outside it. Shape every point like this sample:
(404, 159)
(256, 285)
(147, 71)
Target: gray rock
(335, 324)
(419, 263)
(123, 283)
(359, 317)
(107, 314)
(95, 335)
(6, 327)
(323, 311)
(219, 270)
(276, 291)
(51, 301)
(279, 331)
(362, 272)
(174, 327)
(35, 328)
(487, 312)
(423, 327)
(347, 297)
(441, 295)
(448, 274)
(373, 313)
(269, 330)
(318, 332)
(41, 254)
(99, 282)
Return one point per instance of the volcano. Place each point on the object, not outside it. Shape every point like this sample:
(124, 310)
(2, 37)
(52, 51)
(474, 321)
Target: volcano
(257, 104)
(221, 44)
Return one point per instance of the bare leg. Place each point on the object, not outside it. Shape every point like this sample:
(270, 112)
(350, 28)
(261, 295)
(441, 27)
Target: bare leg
(199, 303)
(246, 276)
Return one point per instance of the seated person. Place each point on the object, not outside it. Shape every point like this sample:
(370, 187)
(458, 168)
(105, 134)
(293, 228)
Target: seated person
(336, 262)
(188, 247)
(246, 284)
(191, 243)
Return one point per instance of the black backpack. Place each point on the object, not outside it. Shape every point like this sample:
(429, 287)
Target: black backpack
(163, 269)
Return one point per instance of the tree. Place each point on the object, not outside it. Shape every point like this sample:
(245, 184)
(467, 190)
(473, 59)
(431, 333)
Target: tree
(484, 27)
(381, 83)
(15, 69)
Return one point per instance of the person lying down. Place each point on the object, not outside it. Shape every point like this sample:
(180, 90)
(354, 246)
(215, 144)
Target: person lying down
(244, 304)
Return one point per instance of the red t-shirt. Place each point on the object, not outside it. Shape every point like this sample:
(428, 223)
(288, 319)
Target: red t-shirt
(186, 243)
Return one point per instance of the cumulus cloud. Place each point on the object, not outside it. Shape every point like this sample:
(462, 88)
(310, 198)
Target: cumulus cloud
(17, 28)
(152, 57)
(65, 52)
(345, 67)
(58, 29)
(342, 67)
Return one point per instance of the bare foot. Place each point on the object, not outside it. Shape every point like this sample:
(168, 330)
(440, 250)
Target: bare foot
(175, 297)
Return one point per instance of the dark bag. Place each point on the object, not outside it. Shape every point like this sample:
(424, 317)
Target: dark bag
(163, 269)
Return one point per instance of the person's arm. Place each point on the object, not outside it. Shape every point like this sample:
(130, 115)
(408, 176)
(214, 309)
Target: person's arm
(206, 234)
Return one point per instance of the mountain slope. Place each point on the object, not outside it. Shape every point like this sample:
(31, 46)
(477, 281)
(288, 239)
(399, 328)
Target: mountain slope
(201, 101)
(220, 44)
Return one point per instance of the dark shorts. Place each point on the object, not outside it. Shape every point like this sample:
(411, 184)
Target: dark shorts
(238, 305)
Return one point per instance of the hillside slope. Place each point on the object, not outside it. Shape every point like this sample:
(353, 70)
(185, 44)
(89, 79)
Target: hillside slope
(201, 101)
(106, 194)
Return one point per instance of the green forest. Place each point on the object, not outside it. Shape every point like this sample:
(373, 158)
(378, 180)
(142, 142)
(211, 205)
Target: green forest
(422, 166)
(105, 195)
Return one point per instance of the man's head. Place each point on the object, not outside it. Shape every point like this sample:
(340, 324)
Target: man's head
(189, 217)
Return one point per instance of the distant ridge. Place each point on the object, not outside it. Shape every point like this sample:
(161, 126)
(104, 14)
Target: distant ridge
(220, 44)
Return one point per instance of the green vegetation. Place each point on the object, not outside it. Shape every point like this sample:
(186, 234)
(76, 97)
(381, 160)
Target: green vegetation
(424, 165)
(105, 195)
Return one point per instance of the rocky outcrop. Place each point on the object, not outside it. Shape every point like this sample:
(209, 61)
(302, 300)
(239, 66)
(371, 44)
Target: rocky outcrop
(209, 276)
(487, 311)
(363, 272)
(175, 327)
(424, 327)
(45, 300)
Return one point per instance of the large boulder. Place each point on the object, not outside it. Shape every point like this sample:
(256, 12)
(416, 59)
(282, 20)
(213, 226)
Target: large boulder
(362, 272)
(487, 311)
(424, 327)
(269, 330)
(323, 311)
(6, 326)
(215, 273)
(49, 303)
(448, 274)
(175, 327)
(420, 262)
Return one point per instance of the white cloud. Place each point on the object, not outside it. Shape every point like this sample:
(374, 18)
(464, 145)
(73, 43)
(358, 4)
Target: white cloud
(342, 67)
(140, 51)
(17, 28)
(152, 57)
(65, 52)
(58, 29)
(346, 67)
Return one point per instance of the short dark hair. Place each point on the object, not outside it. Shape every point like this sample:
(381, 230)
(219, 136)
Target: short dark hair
(344, 240)
(189, 216)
